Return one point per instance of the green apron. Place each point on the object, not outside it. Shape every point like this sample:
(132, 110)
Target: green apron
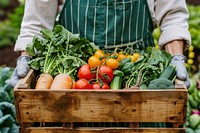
(110, 24)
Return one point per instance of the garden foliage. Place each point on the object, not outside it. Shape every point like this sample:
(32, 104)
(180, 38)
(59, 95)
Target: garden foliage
(11, 26)
(7, 108)
(194, 24)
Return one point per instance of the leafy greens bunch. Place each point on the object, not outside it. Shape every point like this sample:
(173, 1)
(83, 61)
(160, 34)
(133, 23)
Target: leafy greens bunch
(59, 52)
(148, 67)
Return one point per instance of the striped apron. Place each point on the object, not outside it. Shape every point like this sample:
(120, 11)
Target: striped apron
(110, 24)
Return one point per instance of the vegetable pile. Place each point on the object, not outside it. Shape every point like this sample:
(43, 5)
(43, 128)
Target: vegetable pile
(66, 61)
(193, 105)
(149, 66)
(7, 108)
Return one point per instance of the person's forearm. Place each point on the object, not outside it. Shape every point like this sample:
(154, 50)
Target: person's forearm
(175, 47)
(38, 15)
(172, 17)
(24, 53)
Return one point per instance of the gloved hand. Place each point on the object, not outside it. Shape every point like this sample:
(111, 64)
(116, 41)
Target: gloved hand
(181, 72)
(21, 69)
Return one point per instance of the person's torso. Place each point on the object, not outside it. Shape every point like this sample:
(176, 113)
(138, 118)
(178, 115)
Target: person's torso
(110, 23)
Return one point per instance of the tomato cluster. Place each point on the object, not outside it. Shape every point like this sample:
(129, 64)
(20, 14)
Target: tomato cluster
(97, 78)
(100, 58)
(110, 59)
(98, 73)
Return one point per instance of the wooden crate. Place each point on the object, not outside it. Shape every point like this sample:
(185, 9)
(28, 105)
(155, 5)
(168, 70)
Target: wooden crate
(67, 107)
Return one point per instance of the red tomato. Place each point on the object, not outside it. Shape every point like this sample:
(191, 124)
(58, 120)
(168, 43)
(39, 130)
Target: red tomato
(105, 86)
(96, 86)
(82, 84)
(84, 72)
(106, 74)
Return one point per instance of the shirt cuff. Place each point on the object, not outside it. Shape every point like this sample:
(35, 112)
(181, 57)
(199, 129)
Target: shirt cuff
(21, 44)
(174, 34)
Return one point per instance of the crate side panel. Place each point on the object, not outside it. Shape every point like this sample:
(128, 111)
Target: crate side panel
(158, 106)
(101, 106)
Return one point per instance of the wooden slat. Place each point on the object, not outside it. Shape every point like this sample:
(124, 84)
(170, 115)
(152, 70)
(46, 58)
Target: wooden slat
(102, 130)
(179, 84)
(101, 106)
(24, 83)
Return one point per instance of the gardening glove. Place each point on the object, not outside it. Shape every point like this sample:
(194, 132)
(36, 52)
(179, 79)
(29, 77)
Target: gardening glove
(21, 69)
(181, 72)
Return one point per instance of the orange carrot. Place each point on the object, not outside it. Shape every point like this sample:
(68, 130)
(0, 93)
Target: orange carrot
(62, 81)
(44, 81)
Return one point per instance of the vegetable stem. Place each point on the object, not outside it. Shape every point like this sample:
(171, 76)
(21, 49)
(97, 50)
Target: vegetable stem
(71, 71)
(47, 60)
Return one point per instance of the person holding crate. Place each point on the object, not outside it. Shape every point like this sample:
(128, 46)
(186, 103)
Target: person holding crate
(109, 24)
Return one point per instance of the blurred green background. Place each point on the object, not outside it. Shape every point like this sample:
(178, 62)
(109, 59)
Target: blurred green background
(11, 13)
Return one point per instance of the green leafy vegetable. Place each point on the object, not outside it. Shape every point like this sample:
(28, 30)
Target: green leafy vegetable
(7, 108)
(59, 51)
(148, 67)
(161, 83)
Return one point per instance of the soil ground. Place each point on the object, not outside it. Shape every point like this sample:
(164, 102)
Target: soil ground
(193, 2)
(8, 57)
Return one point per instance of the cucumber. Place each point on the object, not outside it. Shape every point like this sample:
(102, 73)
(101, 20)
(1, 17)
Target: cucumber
(169, 72)
(116, 82)
(118, 73)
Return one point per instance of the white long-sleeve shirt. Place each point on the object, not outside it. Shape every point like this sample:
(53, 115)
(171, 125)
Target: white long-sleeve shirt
(171, 15)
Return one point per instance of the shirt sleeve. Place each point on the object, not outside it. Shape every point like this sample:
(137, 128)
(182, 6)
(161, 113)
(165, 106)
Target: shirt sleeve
(172, 17)
(38, 14)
